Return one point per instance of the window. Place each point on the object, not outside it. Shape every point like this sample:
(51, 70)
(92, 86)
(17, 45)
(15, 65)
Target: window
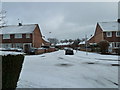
(118, 34)
(116, 44)
(6, 45)
(18, 35)
(27, 35)
(109, 34)
(6, 36)
(18, 45)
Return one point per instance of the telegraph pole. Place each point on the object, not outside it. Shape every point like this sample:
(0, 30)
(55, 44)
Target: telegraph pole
(86, 44)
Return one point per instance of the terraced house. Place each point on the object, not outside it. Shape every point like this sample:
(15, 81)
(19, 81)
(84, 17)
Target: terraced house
(109, 31)
(17, 36)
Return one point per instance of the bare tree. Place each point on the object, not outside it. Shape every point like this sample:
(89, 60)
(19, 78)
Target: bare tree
(53, 40)
(2, 18)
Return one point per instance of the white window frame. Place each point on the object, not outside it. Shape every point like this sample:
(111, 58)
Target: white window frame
(109, 35)
(6, 36)
(116, 44)
(113, 44)
(118, 35)
(18, 35)
(27, 35)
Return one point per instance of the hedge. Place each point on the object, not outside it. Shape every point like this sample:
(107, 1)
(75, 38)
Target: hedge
(11, 68)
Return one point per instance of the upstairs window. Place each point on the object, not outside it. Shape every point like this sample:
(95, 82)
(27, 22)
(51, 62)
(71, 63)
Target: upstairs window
(18, 35)
(6, 36)
(109, 34)
(118, 34)
(27, 35)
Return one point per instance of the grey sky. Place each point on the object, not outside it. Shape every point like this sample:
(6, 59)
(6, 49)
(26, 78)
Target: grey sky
(64, 20)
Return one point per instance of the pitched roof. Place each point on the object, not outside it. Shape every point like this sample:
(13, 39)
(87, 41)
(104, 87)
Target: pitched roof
(45, 39)
(15, 29)
(109, 26)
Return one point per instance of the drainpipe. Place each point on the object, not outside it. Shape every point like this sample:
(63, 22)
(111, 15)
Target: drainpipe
(102, 36)
(33, 38)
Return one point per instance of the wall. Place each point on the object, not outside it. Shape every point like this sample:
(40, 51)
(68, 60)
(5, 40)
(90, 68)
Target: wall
(47, 50)
(37, 37)
(18, 40)
(98, 34)
(91, 40)
(113, 38)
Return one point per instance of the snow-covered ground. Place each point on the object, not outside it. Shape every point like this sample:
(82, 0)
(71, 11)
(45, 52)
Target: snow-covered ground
(56, 70)
(10, 52)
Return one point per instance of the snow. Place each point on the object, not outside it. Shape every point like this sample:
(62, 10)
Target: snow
(18, 49)
(16, 29)
(10, 52)
(68, 43)
(82, 43)
(110, 26)
(45, 39)
(93, 43)
(56, 70)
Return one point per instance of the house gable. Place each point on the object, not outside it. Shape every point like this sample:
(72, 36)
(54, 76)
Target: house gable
(37, 37)
(98, 35)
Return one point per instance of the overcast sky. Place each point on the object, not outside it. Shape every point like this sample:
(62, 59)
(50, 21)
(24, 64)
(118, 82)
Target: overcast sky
(68, 20)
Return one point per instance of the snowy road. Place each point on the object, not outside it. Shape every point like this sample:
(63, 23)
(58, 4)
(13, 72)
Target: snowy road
(56, 70)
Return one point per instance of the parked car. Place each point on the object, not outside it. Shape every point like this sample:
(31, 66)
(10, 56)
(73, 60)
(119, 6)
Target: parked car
(32, 51)
(69, 51)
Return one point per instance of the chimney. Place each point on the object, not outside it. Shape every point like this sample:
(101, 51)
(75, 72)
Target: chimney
(118, 20)
(20, 24)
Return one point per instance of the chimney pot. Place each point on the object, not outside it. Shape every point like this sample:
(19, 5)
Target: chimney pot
(20, 24)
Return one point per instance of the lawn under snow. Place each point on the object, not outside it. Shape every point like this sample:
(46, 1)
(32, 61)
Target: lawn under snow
(56, 70)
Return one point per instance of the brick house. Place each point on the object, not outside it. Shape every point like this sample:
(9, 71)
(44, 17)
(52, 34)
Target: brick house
(17, 36)
(109, 31)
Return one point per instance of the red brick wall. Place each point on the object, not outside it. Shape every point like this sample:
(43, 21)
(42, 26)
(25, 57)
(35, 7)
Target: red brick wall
(98, 34)
(18, 40)
(91, 40)
(37, 38)
(40, 51)
(0, 39)
(47, 50)
(113, 38)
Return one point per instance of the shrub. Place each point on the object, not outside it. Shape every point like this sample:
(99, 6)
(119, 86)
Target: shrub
(103, 46)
